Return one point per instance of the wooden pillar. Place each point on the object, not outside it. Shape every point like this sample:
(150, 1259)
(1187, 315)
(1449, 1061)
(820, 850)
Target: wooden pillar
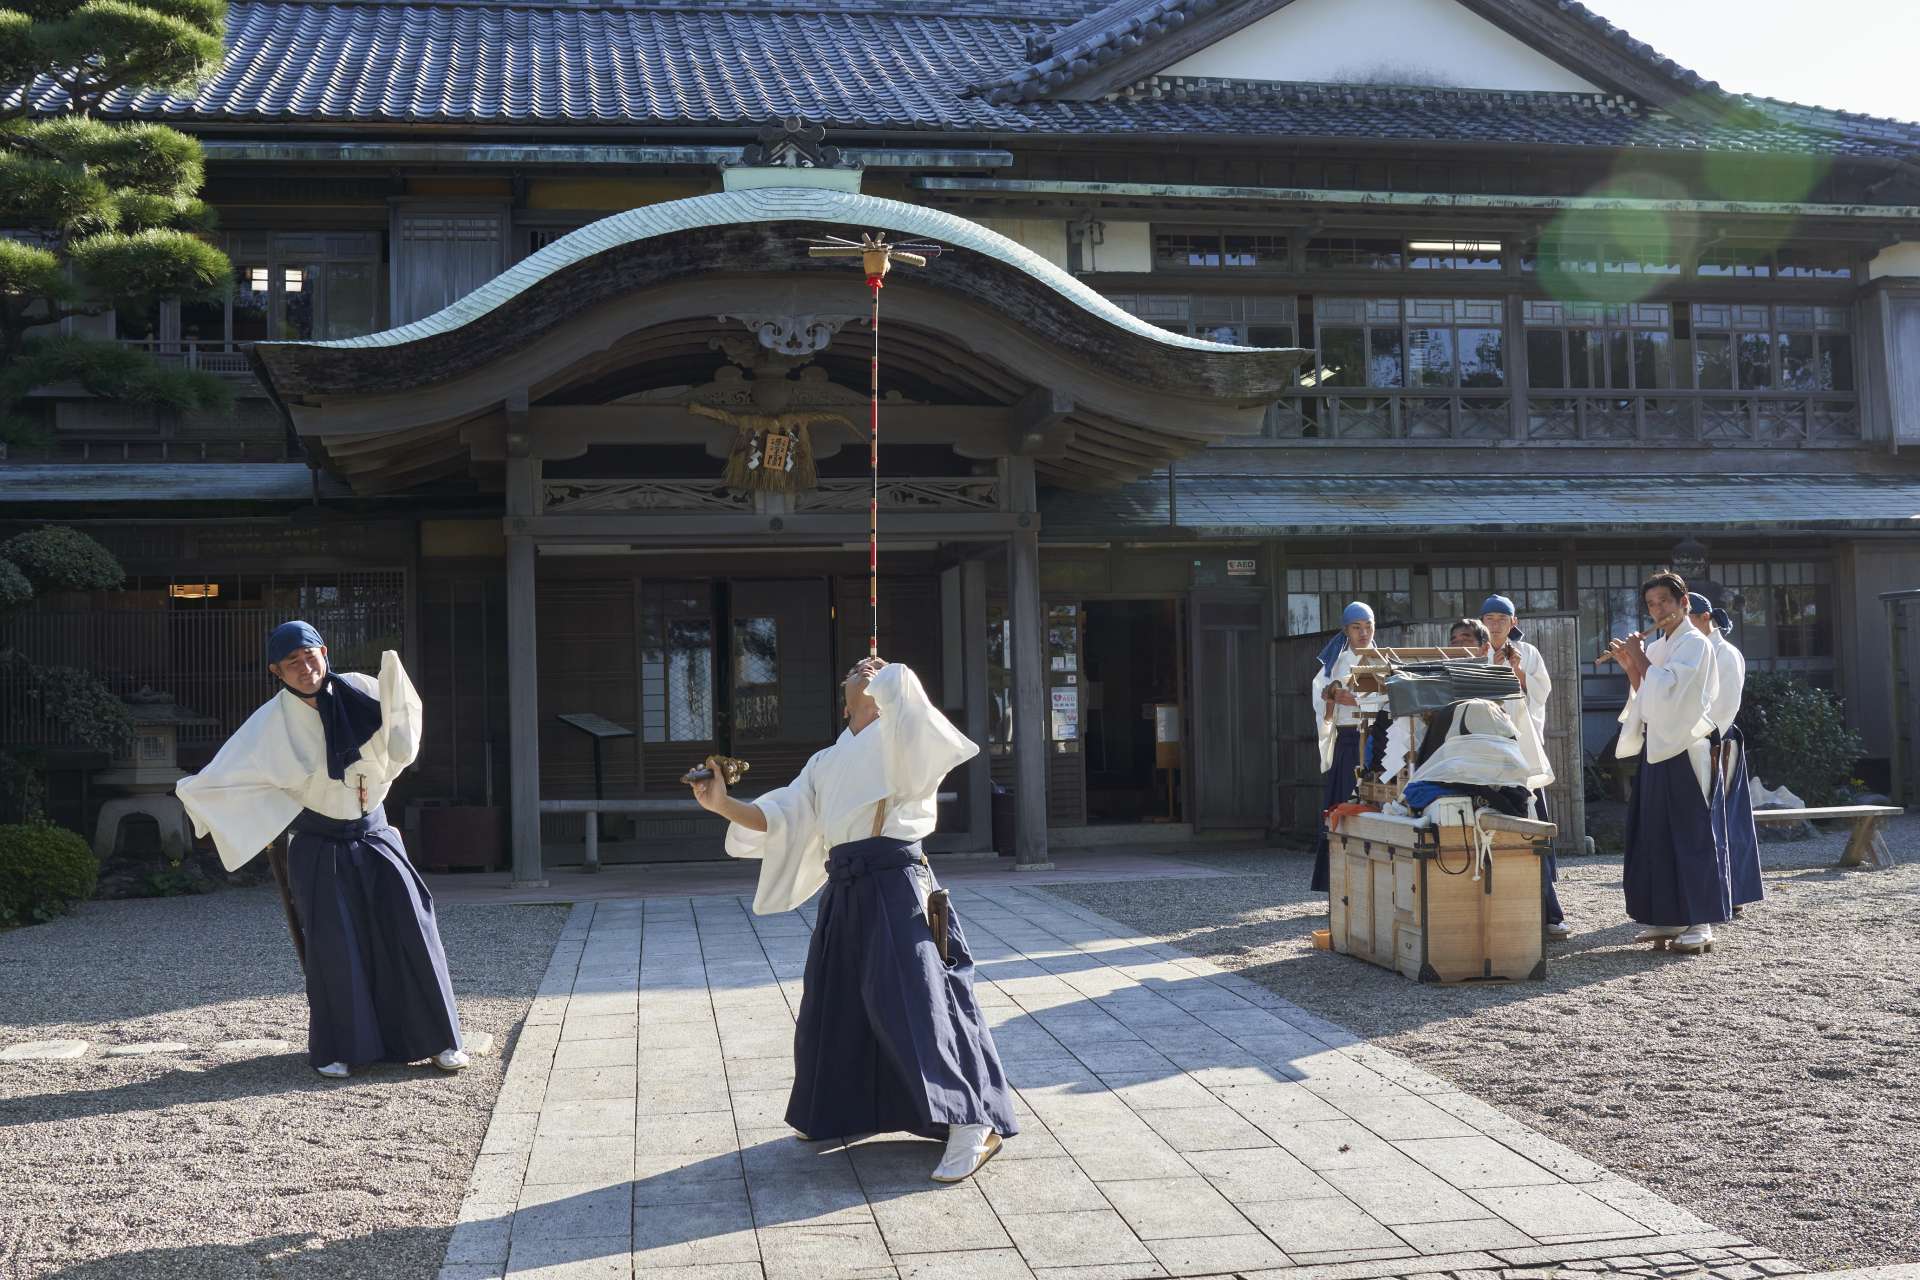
(973, 660)
(1026, 621)
(523, 675)
(523, 712)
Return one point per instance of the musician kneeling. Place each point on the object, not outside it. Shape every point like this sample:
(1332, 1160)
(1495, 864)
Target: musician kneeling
(1471, 749)
(1676, 870)
(889, 1035)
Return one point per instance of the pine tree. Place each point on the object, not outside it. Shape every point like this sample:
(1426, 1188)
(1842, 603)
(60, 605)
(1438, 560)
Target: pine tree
(96, 216)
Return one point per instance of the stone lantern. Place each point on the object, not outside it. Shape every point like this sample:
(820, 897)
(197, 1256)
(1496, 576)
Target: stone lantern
(142, 775)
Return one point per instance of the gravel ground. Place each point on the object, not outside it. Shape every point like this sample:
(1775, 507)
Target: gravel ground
(1772, 1087)
(215, 1165)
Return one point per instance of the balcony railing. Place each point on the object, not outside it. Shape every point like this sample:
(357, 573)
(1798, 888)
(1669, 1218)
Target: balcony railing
(1710, 418)
(228, 359)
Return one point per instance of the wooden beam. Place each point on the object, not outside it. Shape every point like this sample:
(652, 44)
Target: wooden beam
(566, 431)
(695, 526)
(1037, 423)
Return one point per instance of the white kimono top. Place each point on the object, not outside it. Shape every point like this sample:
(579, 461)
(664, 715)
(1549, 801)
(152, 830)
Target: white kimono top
(1668, 713)
(901, 758)
(1344, 717)
(1730, 675)
(1539, 685)
(275, 765)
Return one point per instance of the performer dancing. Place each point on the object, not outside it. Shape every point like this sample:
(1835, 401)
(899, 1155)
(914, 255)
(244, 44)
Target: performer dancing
(889, 1035)
(1675, 873)
(320, 757)
(1342, 716)
(1730, 750)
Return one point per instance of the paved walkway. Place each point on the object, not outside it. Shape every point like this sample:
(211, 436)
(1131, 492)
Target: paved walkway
(1177, 1121)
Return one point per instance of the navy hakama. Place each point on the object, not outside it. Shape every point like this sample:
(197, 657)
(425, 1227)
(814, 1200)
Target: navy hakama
(1549, 868)
(1743, 840)
(1337, 788)
(377, 984)
(1675, 873)
(889, 1038)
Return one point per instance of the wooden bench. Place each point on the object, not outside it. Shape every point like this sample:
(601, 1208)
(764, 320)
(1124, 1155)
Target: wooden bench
(1865, 847)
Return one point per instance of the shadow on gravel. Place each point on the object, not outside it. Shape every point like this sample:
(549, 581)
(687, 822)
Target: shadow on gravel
(281, 1074)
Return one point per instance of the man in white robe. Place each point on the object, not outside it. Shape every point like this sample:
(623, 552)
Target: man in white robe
(1730, 750)
(889, 1036)
(320, 757)
(1675, 874)
(1507, 644)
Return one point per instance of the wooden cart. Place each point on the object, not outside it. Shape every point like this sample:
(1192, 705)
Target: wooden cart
(1403, 896)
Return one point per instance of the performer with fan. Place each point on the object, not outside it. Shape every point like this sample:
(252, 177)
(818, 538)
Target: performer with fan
(1675, 874)
(889, 1035)
(320, 757)
(1730, 750)
(1342, 716)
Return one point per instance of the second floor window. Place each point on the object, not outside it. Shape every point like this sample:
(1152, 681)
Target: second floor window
(290, 286)
(1782, 348)
(1217, 249)
(1413, 342)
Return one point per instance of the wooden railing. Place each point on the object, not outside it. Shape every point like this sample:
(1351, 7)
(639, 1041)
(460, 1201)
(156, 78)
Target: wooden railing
(228, 359)
(1710, 418)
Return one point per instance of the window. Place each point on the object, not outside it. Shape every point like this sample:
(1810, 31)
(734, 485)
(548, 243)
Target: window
(1458, 591)
(1580, 346)
(1415, 342)
(676, 663)
(1609, 604)
(1782, 611)
(1181, 249)
(1725, 262)
(1737, 347)
(1244, 321)
(756, 678)
(289, 285)
(1317, 597)
(1578, 258)
(1347, 253)
(1453, 255)
(1359, 253)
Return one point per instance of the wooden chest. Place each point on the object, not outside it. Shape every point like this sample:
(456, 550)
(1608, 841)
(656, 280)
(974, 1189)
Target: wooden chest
(1404, 897)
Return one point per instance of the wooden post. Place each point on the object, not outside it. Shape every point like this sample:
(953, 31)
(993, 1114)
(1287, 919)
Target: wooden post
(1029, 702)
(523, 713)
(973, 664)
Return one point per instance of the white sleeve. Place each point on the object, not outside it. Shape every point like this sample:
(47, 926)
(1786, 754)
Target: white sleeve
(385, 755)
(792, 850)
(923, 747)
(1539, 686)
(247, 794)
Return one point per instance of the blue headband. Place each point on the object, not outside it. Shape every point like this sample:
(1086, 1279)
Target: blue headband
(1721, 621)
(289, 636)
(1498, 604)
(1697, 603)
(1355, 612)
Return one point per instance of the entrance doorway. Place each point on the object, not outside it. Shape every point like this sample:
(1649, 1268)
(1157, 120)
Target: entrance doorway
(1130, 691)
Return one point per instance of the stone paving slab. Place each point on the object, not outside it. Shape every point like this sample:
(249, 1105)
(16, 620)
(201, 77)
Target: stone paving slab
(1177, 1121)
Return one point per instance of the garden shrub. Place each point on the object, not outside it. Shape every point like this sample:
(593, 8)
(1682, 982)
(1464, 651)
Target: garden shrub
(1797, 737)
(44, 871)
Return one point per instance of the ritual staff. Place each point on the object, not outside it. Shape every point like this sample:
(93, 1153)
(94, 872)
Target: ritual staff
(320, 756)
(1342, 717)
(1507, 643)
(1730, 750)
(889, 1035)
(1675, 874)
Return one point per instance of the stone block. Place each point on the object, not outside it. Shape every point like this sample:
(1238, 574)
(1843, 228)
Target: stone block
(1079, 1238)
(142, 1049)
(1169, 1208)
(1321, 1226)
(690, 1235)
(1045, 1185)
(938, 1219)
(560, 1211)
(575, 1258)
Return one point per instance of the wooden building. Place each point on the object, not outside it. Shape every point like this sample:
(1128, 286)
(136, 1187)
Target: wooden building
(1535, 310)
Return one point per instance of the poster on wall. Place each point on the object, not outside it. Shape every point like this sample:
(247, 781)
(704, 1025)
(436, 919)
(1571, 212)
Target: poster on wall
(1066, 713)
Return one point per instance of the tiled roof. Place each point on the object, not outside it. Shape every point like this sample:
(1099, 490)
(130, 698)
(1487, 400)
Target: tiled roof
(1106, 34)
(31, 484)
(896, 65)
(1304, 506)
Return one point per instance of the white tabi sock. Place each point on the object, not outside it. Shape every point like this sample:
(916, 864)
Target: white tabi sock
(968, 1147)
